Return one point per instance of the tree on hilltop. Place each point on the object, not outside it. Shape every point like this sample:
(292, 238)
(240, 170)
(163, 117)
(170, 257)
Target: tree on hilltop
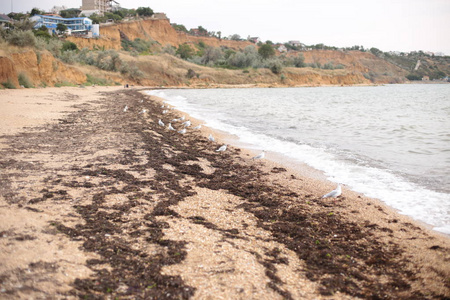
(266, 51)
(36, 11)
(144, 11)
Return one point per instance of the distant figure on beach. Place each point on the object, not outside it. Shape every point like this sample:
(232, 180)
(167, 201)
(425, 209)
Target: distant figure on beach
(211, 138)
(334, 193)
(171, 127)
(182, 131)
(126, 108)
(222, 148)
(161, 123)
(260, 156)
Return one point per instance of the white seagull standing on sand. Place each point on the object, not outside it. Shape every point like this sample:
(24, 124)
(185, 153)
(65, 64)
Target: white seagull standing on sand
(165, 111)
(126, 108)
(170, 127)
(187, 123)
(211, 138)
(334, 193)
(260, 156)
(143, 111)
(222, 148)
(161, 123)
(182, 131)
(182, 118)
(197, 127)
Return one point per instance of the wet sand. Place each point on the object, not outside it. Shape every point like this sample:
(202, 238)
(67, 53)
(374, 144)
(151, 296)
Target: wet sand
(97, 202)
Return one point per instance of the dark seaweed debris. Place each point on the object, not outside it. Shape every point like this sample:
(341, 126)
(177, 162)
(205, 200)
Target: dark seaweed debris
(342, 256)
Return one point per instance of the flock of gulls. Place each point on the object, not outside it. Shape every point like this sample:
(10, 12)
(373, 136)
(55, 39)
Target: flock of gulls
(186, 123)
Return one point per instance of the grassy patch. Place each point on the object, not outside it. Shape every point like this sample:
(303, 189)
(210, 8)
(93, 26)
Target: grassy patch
(64, 83)
(91, 80)
(8, 85)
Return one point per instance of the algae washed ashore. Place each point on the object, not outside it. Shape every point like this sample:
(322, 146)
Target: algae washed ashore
(388, 142)
(98, 202)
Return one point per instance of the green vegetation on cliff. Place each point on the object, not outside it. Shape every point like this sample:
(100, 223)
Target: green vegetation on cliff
(205, 49)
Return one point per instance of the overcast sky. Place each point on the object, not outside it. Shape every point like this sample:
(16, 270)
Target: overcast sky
(390, 25)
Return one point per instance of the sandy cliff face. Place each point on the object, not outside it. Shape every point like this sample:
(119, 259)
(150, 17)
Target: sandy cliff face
(157, 30)
(357, 61)
(7, 71)
(41, 69)
(165, 70)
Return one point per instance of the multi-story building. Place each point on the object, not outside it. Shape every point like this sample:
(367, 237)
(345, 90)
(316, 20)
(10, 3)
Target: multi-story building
(80, 25)
(97, 6)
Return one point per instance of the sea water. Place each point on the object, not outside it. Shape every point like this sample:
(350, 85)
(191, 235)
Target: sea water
(388, 142)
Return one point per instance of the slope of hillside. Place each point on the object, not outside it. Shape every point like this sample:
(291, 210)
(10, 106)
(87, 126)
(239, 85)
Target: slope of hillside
(42, 69)
(155, 29)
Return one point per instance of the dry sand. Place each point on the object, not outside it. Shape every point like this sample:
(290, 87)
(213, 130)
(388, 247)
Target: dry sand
(98, 202)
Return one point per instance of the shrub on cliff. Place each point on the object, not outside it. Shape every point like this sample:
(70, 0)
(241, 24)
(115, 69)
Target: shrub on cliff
(22, 38)
(131, 70)
(185, 51)
(276, 67)
(67, 45)
(248, 58)
(24, 80)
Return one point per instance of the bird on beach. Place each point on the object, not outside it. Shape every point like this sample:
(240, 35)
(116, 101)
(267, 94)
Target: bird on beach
(182, 118)
(222, 148)
(170, 127)
(187, 123)
(334, 193)
(125, 108)
(161, 123)
(211, 138)
(143, 111)
(182, 131)
(165, 111)
(260, 156)
(198, 127)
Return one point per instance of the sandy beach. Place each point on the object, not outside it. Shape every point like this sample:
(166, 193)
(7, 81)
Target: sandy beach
(97, 202)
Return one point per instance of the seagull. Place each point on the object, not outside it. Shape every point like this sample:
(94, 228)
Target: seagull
(222, 148)
(182, 131)
(143, 111)
(126, 108)
(182, 118)
(175, 120)
(187, 123)
(161, 123)
(162, 106)
(260, 156)
(334, 193)
(198, 127)
(170, 127)
(211, 138)
(165, 111)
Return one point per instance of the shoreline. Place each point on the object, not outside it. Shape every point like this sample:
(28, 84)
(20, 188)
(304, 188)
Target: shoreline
(302, 168)
(134, 209)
